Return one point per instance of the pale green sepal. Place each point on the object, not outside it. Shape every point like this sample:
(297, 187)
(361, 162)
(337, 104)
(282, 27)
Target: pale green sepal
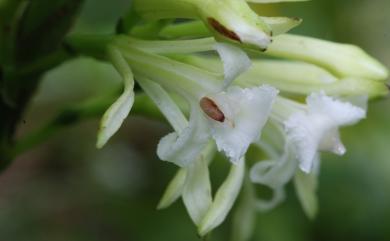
(306, 187)
(274, 174)
(174, 189)
(224, 199)
(197, 190)
(281, 25)
(235, 61)
(164, 102)
(116, 114)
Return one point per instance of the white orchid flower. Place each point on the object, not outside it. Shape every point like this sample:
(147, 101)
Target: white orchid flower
(314, 127)
(232, 116)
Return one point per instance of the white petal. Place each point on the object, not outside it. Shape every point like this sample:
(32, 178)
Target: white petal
(235, 61)
(342, 113)
(246, 112)
(224, 199)
(317, 128)
(164, 102)
(274, 174)
(197, 190)
(184, 147)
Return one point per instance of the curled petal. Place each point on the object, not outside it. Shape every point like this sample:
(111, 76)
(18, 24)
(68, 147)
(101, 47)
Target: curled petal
(235, 61)
(274, 174)
(278, 197)
(184, 147)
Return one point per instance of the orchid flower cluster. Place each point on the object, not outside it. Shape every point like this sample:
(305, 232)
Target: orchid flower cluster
(228, 80)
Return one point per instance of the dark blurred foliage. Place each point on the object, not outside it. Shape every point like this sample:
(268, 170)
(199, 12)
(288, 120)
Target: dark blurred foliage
(68, 190)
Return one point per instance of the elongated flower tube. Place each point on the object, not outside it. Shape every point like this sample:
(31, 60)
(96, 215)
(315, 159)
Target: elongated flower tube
(231, 20)
(341, 59)
(292, 82)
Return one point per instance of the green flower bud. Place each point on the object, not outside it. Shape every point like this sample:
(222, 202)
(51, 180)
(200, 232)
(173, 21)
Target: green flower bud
(229, 20)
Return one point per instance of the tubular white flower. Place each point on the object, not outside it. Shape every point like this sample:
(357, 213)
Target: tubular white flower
(316, 128)
(243, 111)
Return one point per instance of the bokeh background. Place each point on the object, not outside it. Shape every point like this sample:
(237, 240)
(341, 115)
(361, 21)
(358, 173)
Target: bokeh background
(68, 190)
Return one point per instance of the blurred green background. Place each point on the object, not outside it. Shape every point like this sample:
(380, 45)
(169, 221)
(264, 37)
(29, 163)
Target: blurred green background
(68, 190)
